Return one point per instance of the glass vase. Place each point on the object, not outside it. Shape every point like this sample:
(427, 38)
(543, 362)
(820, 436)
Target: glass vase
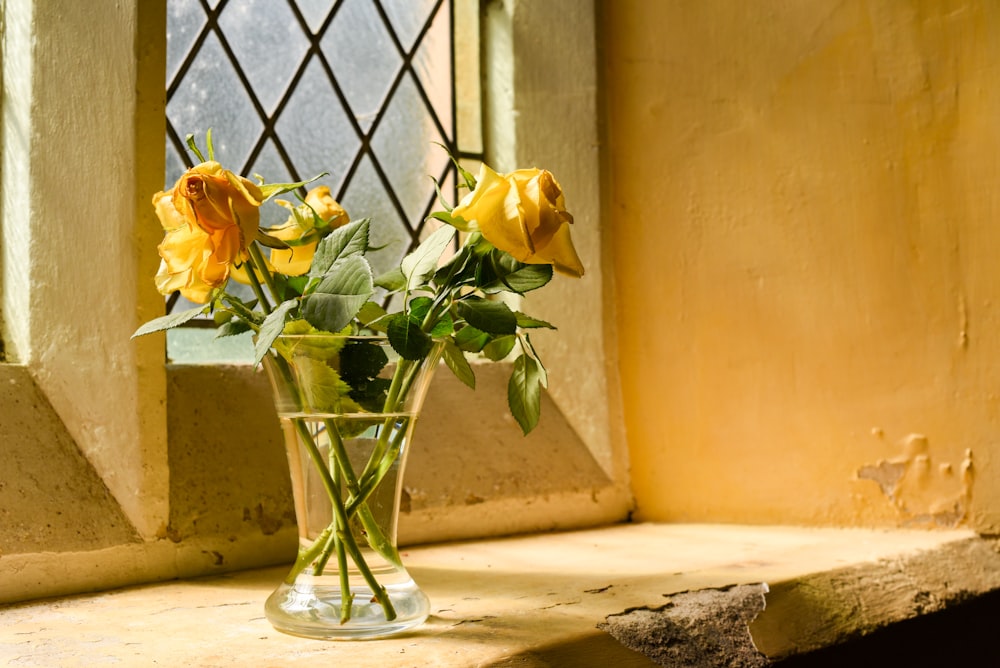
(347, 411)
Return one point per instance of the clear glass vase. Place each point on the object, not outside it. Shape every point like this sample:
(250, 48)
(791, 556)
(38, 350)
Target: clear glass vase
(347, 410)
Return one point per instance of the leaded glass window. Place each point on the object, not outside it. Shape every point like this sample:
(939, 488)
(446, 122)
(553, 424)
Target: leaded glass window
(362, 89)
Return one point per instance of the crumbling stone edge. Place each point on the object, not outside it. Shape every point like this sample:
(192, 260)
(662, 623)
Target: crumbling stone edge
(751, 625)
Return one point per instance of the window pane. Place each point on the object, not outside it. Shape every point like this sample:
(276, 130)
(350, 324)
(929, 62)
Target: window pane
(362, 89)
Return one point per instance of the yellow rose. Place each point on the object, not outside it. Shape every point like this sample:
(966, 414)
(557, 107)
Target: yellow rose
(524, 214)
(189, 261)
(301, 225)
(209, 217)
(223, 205)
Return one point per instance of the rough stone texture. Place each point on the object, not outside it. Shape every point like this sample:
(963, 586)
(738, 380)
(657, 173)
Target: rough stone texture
(227, 476)
(704, 628)
(530, 601)
(832, 607)
(50, 496)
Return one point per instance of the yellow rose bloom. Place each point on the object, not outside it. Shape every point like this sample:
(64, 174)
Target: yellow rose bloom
(222, 204)
(524, 214)
(301, 224)
(209, 217)
(189, 262)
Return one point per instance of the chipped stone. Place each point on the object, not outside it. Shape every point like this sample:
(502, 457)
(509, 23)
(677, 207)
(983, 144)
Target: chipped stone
(703, 628)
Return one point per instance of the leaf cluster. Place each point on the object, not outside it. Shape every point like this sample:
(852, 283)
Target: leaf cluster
(459, 304)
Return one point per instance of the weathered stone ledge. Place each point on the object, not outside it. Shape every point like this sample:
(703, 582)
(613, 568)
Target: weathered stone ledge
(686, 594)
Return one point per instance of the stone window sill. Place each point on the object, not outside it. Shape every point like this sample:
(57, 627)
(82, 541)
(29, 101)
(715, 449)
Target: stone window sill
(577, 598)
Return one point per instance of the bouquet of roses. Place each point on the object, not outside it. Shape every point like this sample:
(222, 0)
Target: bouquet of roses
(316, 276)
(318, 307)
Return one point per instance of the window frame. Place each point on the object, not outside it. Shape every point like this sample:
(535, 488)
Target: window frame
(75, 343)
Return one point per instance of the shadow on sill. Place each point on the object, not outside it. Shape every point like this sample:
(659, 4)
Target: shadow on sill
(963, 635)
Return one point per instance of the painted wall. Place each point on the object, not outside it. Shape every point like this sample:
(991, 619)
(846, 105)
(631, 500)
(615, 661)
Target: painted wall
(806, 226)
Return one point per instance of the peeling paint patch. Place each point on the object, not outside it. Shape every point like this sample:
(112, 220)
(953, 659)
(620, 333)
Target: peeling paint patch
(924, 494)
(703, 628)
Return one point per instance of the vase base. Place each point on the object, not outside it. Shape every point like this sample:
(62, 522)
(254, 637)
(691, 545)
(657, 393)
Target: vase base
(311, 611)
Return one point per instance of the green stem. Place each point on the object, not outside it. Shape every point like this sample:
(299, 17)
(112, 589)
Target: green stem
(371, 479)
(402, 379)
(344, 535)
(385, 453)
(258, 291)
(346, 595)
(356, 504)
(351, 546)
(261, 264)
(307, 556)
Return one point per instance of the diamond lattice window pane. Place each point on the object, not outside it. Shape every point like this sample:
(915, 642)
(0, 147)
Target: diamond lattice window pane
(408, 18)
(315, 12)
(363, 58)
(432, 65)
(405, 146)
(185, 19)
(272, 168)
(366, 197)
(270, 53)
(315, 131)
(212, 96)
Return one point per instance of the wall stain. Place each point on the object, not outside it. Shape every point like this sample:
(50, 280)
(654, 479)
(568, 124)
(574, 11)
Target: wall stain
(924, 494)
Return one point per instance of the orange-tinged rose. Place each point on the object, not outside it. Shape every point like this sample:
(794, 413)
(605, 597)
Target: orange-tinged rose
(190, 262)
(302, 225)
(219, 202)
(209, 217)
(524, 214)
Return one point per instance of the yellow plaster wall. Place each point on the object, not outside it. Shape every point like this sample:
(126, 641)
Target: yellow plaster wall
(806, 229)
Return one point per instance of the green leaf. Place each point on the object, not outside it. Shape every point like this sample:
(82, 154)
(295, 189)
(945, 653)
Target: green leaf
(527, 278)
(289, 287)
(392, 280)
(270, 190)
(300, 327)
(322, 388)
(527, 322)
(360, 365)
(471, 340)
(458, 270)
(300, 339)
(459, 366)
(489, 316)
(470, 180)
(441, 215)
(370, 312)
(420, 307)
(169, 321)
(348, 241)
(421, 263)
(529, 348)
(339, 295)
(500, 347)
(273, 325)
(407, 338)
(265, 239)
(232, 328)
(524, 393)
